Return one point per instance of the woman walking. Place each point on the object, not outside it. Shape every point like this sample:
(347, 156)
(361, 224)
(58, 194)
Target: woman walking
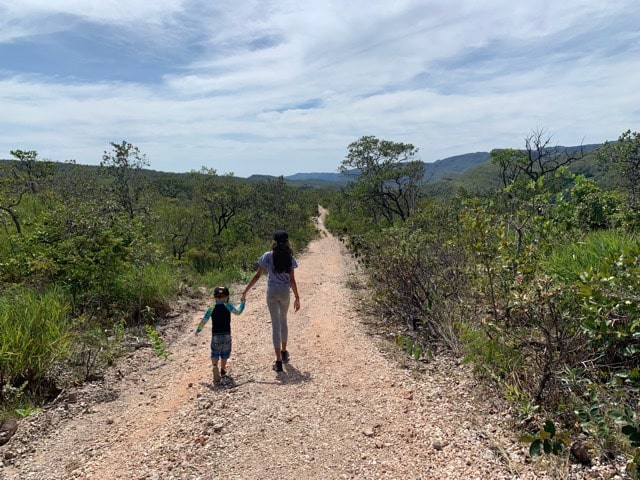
(279, 264)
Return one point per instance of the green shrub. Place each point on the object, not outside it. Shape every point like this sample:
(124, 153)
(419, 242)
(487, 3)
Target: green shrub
(158, 344)
(95, 347)
(547, 440)
(490, 355)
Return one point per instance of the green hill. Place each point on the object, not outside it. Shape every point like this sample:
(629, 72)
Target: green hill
(484, 177)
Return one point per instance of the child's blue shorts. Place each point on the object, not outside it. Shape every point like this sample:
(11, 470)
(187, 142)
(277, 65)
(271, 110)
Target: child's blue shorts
(221, 346)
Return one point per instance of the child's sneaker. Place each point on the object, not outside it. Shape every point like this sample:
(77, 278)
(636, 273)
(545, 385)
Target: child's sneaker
(216, 374)
(285, 356)
(277, 365)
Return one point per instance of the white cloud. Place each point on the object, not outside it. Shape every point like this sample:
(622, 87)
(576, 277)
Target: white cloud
(449, 80)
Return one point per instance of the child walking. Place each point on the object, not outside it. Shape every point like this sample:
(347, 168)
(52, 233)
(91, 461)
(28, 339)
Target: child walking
(220, 315)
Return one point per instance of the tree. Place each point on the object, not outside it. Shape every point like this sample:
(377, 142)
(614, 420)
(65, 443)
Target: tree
(223, 198)
(125, 165)
(624, 157)
(510, 162)
(590, 208)
(388, 177)
(275, 205)
(27, 175)
(31, 172)
(537, 160)
(176, 225)
(530, 177)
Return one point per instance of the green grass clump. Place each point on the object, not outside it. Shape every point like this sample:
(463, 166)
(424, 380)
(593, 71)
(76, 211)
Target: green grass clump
(34, 335)
(593, 252)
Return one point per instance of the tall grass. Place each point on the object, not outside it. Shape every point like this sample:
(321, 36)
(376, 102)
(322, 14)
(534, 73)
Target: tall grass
(593, 252)
(34, 335)
(148, 291)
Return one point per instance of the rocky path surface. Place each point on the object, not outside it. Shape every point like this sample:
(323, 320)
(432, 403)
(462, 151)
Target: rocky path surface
(342, 408)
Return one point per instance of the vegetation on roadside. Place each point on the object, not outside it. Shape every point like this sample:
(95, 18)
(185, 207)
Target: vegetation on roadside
(534, 278)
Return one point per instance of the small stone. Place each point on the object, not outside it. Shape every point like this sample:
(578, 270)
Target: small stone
(369, 431)
(218, 427)
(7, 429)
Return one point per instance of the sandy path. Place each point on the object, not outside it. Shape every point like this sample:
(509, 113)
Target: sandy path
(341, 409)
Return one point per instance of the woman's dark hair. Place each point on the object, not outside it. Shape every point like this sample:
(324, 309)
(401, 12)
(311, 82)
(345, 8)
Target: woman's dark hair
(282, 257)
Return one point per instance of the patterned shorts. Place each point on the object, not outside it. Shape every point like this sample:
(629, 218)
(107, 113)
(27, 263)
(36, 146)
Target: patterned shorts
(221, 346)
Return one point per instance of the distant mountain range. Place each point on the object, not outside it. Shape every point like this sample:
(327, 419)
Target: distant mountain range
(433, 171)
(444, 169)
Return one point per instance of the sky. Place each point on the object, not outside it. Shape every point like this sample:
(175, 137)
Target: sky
(279, 87)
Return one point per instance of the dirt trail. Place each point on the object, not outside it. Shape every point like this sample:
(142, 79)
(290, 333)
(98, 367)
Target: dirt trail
(341, 409)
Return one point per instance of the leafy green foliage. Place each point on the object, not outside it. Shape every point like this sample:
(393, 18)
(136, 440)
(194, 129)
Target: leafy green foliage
(158, 343)
(633, 434)
(547, 440)
(25, 412)
(94, 347)
(417, 275)
(609, 305)
(409, 345)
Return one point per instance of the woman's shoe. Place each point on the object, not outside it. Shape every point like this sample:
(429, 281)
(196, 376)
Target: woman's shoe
(285, 356)
(277, 365)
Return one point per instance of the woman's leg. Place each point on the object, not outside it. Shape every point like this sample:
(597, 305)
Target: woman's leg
(278, 303)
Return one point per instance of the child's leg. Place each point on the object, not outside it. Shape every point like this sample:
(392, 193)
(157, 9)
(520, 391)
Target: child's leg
(215, 354)
(225, 353)
(216, 372)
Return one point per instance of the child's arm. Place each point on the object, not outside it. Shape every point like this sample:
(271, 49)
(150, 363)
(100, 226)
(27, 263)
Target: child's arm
(237, 310)
(204, 320)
